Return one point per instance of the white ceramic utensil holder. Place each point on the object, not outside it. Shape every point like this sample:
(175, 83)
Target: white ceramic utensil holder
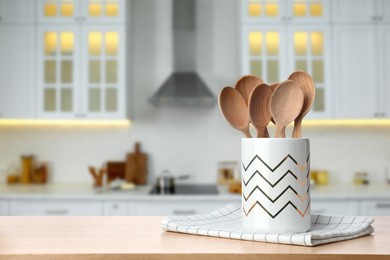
(276, 184)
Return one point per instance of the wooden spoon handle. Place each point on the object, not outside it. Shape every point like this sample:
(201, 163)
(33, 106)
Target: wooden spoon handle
(278, 132)
(297, 133)
(247, 133)
(262, 132)
(283, 134)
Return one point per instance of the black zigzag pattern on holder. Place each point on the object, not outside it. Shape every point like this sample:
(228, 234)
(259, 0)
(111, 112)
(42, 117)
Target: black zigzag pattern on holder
(280, 195)
(302, 214)
(277, 166)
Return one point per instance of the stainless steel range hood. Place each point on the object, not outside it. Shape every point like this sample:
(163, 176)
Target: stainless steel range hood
(184, 87)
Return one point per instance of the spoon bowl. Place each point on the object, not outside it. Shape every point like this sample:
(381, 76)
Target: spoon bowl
(307, 85)
(259, 109)
(286, 105)
(234, 109)
(246, 84)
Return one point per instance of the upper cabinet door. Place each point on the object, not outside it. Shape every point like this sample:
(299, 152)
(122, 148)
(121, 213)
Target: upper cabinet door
(355, 71)
(103, 74)
(309, 50)
(58, 71)
(104, 11)
(354, 10)
(254, 11)
(59, 11)
(308, 11)
(17, 11)
(384, 72)
(263, 52)
(383, 11)
(17, 48)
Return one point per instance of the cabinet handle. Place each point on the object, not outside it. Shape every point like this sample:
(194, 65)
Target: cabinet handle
(184, 212)
(380, 18)
(382, 206)
(374, 18)
(59, 212)
(115, 206)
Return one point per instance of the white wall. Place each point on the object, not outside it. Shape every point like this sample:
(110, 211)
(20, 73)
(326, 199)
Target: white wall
(184, 140)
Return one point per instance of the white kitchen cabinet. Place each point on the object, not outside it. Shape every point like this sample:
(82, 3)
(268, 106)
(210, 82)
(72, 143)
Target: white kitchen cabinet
(354, 11)
(3, 208)
(264, 52)
(384, 71)
(169, 208)
(83, 11)
(355, 72)
(56, 208)
(375, 208)
(335, 207)
(302, 11)
(383, 10)
(309, 50)
(103, 72)
(17, 11)
(115, 208)
(17, 48)
(81, 72)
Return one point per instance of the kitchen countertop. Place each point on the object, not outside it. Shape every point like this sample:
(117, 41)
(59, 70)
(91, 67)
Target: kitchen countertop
(84, 191)
(142, 238)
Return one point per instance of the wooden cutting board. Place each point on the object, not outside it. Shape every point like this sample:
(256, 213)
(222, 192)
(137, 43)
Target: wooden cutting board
(136, 166)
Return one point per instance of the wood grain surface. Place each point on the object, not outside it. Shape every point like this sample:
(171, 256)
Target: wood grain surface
(142, 238)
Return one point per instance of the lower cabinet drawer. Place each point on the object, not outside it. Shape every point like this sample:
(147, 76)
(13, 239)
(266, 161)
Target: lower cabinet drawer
(175, 208)
(56, 208)
(375, 208)
(3, 208)
(336, 207)
(115, 208)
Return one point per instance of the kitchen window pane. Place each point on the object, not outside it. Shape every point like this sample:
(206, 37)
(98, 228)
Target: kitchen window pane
(94, 71)
(256, 68)
(255, 43)
(271, 10)
(111, 71)
(50, 40)
(301, 65)
(317, 43)
(319, 102)
(50, 71)
(66, 100)
(50, 10)
(112, 40)
(272, 71)
(50, 99)
(66, 71)
(67, 10)
(300, 42)
(111, 100)
(95, 9)
(67, 43)
(316, 10)
(95, 43)
(112, 9)
(254, 9)
(272, 43)
(94, 100)
(299, 9)
(318, 71)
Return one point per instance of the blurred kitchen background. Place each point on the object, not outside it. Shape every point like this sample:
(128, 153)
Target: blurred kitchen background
(83, 81)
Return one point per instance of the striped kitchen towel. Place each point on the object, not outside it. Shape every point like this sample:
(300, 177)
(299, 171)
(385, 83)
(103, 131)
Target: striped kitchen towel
(226, 222)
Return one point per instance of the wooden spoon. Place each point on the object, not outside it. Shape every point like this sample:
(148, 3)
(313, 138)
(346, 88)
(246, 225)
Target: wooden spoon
(259, 109)
(306, 82)
(286, 104)
(246, 84)
(273, 86)
(234, 109)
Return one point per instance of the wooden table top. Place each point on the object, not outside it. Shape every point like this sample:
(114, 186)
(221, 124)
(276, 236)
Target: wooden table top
(142, 238)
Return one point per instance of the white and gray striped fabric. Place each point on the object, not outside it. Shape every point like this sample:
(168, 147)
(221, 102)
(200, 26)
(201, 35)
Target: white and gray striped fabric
(226, 223)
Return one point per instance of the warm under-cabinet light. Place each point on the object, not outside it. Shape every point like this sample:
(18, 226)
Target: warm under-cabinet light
(346, 122)
(50, 122)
